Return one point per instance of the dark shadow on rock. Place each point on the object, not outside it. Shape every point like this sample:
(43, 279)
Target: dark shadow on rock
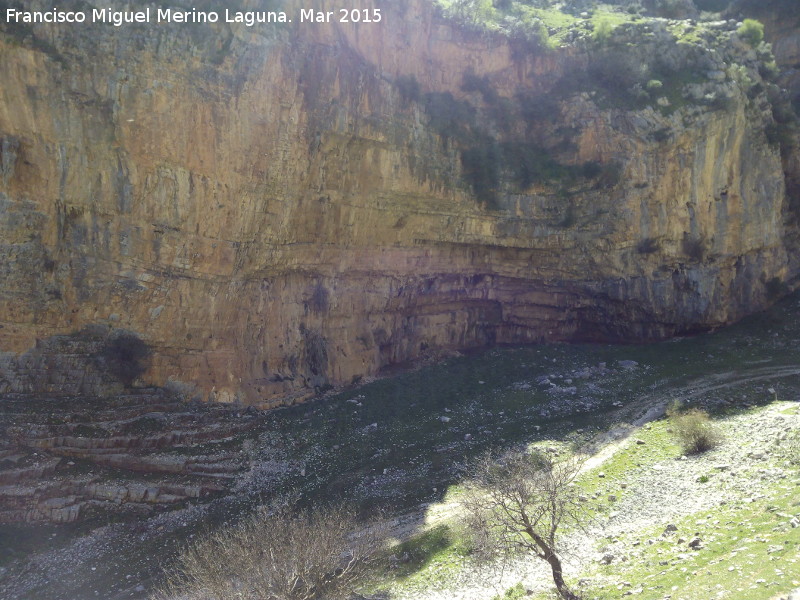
(125, 356)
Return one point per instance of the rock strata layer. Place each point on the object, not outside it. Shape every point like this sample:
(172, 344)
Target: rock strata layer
(62, 460)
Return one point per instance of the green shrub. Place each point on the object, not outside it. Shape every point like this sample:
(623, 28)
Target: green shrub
(602, 31)
(516, 592)
(693, 429)
(751, 31)
(538, 35)
(769, 70)
(472, 13)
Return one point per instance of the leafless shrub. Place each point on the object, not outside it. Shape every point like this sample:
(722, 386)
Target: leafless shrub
(278, 554)
(520, 502)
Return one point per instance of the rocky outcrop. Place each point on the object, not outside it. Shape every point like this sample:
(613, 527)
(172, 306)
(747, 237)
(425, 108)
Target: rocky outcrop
(782, 32)
(280, 209)
(62, 460)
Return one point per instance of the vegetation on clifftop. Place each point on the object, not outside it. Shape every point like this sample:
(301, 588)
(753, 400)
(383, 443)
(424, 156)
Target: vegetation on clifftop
(623, 56)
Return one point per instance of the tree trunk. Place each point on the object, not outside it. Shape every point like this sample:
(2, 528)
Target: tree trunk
(555, 564)
(558, 578)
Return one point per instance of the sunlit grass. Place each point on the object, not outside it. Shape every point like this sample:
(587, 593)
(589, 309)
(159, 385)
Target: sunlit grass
(558, 22)
(750, 552)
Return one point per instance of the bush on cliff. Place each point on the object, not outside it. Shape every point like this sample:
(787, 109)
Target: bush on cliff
(751, 31)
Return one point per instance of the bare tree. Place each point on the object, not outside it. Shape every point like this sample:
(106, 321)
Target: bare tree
(279, 554)
(520, 502)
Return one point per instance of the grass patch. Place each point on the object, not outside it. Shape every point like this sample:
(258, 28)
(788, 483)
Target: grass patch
(548, 26)
(426, 559)
(749, 552)
(516, 592)
(658, 446)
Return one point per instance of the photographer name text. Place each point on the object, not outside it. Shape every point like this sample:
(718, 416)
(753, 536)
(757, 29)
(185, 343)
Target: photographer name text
(119, 18)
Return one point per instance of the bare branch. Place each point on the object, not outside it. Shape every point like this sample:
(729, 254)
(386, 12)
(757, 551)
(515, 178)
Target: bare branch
(519, 501)
(279, 554)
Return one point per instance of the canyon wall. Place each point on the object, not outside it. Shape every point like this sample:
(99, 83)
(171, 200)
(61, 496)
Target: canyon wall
(279, 209)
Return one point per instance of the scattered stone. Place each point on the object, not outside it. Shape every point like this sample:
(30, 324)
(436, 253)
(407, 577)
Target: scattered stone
(696, 543)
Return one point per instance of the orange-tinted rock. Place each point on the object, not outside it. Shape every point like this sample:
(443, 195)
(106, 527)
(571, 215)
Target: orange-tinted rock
(269, 214)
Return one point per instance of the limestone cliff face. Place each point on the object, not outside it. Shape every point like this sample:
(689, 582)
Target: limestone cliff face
(275, 210)
(782, 31)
